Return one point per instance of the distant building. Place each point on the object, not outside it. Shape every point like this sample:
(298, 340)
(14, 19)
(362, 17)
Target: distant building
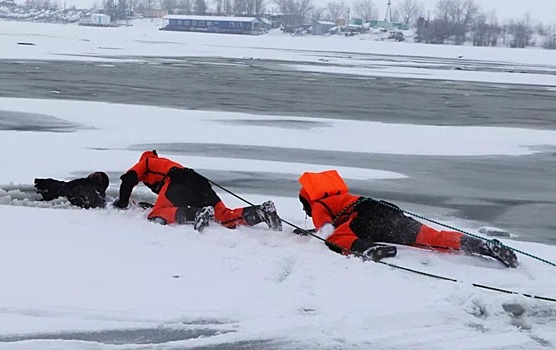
(154, 13)
(388, 25)
(400, 25)
(265, 23)
(322, 27)
(100, 19)
(213, 24)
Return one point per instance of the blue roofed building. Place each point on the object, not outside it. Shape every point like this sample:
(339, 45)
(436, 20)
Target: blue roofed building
(213, 24)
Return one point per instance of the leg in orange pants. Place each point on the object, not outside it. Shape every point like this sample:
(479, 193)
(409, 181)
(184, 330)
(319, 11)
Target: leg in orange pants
(443, 240)
(163, 210)
(230, 218)
(450, 240)
(167, 212)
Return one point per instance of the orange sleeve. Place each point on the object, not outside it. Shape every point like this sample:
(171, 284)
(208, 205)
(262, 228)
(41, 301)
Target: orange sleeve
(140, 169)
(342, 237)
(321, 216)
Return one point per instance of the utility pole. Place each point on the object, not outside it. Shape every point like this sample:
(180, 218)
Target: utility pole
(388, 12)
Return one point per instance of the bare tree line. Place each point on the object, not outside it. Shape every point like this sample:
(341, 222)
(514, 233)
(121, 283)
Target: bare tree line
(42, 4)
(460, 21)
(201, 7)
(450, 22)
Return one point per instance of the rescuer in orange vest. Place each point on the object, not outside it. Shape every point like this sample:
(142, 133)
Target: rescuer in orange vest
(184, 196)
(354, 223)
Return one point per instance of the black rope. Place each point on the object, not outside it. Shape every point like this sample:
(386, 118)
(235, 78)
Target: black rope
(230, 192)
(477, 285)
(422, 273)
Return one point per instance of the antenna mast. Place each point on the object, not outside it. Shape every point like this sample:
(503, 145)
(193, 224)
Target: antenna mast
(388, 16)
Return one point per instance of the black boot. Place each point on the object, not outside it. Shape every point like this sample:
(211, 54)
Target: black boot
(263, 213)
(493, 248)
(270, 216)
(252, 215)
(502, 253)
(472, 245)
(203, 217)
(185, 215)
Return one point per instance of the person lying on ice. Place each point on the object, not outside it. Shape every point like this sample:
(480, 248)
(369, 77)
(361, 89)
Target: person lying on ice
(184, 196)
(353, 223)
(88, 192)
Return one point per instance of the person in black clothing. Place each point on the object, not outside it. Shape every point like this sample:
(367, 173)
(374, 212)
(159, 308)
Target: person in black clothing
(88, 192)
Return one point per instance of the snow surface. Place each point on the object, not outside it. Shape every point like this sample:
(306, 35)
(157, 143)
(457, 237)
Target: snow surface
(92, 279)
(143, 39)
(360, 54)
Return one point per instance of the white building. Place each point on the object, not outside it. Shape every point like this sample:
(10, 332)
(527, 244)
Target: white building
(99, 18)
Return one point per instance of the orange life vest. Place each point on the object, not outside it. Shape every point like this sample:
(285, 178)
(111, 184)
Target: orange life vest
(153, 170)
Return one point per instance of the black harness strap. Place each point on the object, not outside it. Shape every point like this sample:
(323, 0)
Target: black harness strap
(154, 172)
(156, 187)
(349, 207)
(326, 207)
(347, 210)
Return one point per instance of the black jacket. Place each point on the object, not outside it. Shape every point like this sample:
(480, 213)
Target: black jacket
(88, 192)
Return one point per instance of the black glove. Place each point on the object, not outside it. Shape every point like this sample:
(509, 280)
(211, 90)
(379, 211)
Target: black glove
(145, 205)
(379, 252)
(120, 204)
(303, 232)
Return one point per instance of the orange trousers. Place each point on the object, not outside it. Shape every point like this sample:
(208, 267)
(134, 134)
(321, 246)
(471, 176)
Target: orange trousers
(440, 240)
(427, 236)
(166, 210)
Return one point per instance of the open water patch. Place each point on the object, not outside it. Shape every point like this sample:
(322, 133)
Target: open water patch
(22, 121)
(278, 123)
(158, 335)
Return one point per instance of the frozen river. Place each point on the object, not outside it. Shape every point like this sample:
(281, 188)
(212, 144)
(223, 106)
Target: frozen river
(516, 193)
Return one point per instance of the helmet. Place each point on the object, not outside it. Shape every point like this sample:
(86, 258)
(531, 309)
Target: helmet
(148, 154)
(323, 184)
(315, 186)
(99, 178)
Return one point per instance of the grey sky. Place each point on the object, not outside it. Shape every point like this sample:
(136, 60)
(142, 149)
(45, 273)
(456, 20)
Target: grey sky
(543, 10)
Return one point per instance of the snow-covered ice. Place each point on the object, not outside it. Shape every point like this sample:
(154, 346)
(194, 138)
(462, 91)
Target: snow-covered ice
(107, 279)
